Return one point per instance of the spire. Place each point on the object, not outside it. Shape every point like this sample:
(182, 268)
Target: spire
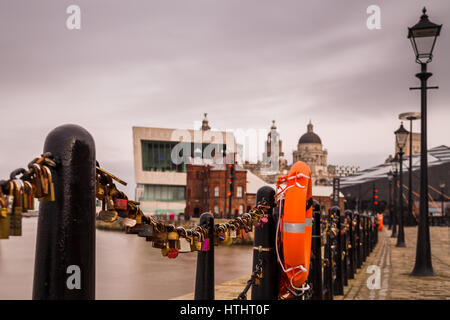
(273, 125)
(205, 124)
(310, 126)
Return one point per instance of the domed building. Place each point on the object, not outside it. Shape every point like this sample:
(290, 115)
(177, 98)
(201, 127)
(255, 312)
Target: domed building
(310, 151)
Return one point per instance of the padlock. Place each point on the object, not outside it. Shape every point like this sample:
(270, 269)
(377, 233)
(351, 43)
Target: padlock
(37, 180)
(173, 239)
(205, 245)
(147, 231)
(165, 251)
(243, 234)
(4, 218)
(24, 195)
(190, 238)
(159, 240)
(50, 188)
(121, 204)
(18, 198)
(173, 253)
(185, 245)
(16, 217)
(109, 215)
(139, 225)
(233, 233)
(128, 223)
(198, 241)
(29, 191)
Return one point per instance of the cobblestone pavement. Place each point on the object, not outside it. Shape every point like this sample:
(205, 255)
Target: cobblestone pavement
(225, 291)
(396, 265)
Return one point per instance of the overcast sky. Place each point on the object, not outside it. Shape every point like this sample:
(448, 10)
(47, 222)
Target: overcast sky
(244, 62)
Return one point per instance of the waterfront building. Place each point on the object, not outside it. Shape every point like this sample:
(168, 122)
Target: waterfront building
(310, 151)
(160, 157)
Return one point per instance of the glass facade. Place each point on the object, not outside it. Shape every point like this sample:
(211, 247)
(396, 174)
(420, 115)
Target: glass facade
(156, 155)
(163, 193)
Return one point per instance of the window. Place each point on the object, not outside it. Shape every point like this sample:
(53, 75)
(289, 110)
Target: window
(239, 191)
(157, 155)
(216, 209)
(216, 191)
(163, 193)
(241, 209)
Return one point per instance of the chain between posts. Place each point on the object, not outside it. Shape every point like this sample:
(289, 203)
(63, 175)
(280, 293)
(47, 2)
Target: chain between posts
(167, 237)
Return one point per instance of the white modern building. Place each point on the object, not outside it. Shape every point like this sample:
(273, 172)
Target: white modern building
(160, 155)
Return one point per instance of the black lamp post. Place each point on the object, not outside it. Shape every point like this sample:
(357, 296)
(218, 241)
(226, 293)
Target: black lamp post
(394, 164)
(401, 135)
(410, 116)
(390, 200)
(444, 216)
(423, 37)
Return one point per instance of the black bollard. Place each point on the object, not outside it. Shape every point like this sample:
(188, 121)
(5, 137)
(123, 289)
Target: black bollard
(264, 247)
(370, 233)
(204, 280)
(328, 268)
(339, 281)
(65, 243)
(363, 238)
(316, 277)
(351, 248)
(358, 240)
(344, 257)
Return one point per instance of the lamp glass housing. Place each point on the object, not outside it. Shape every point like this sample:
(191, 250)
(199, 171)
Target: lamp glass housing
(401, 136)
(423, 37)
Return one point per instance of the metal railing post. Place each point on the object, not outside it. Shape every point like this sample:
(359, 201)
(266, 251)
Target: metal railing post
(338, 283)
(264, 244)
(344, 254)
(351, 249)
(204, 279)
(329, 262)
(358, 240)
(364, 237)
(65, 243)
(316, 277)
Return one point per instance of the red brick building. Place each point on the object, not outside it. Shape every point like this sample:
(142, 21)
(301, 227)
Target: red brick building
(207, 189)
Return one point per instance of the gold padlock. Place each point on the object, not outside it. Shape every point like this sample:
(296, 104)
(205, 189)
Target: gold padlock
(165, 251)
(4, 218)
(50, 196)
(198, 241)
(173, 235)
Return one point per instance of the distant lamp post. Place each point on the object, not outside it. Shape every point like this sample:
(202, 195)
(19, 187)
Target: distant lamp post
(390, 176)
(423, 37)
(401, 136)
(394, 164)
(442, 186)
(411, 116)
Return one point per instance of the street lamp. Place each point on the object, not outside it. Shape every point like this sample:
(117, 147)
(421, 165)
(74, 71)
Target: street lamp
(390, 176)
(423, 37)
(401, 135)
(442, 186)
(394, 164)
(410, 116)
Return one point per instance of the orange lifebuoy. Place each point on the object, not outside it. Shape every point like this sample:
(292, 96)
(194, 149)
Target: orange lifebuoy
(380, 222)
(294, 226)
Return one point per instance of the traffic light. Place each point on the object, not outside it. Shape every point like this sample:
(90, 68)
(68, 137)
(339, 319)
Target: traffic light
(231, 179)
(375, 199)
